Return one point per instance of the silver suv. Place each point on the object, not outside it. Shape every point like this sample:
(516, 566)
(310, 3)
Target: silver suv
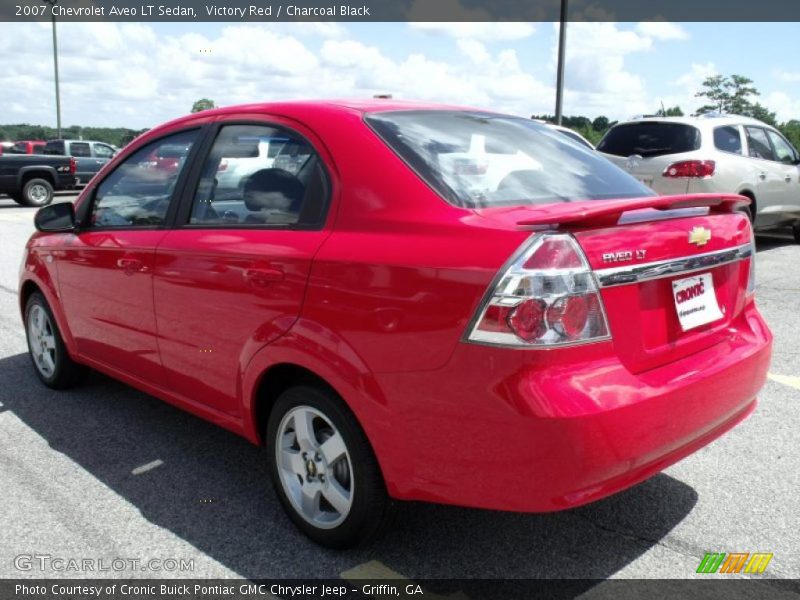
(713, 153)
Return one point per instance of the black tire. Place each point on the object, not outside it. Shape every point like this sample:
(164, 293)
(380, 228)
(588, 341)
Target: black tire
(370, 504)
(796, 231)
(65, 372)
(37, 192)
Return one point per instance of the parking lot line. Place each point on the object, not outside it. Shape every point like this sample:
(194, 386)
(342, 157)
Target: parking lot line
(147, 467)
(785, 380)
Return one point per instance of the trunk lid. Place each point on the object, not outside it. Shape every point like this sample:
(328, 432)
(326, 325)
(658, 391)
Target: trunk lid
(638, 254)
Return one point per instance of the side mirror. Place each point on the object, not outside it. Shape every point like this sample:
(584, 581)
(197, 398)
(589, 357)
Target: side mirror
(56, 217)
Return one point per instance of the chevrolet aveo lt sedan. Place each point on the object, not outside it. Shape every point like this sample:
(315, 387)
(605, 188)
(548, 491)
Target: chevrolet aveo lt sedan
(405, 301)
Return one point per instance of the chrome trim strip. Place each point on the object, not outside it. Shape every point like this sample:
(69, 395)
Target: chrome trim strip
(667, 268)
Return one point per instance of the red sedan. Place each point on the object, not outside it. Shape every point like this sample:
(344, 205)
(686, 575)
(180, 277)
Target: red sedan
(405, 301)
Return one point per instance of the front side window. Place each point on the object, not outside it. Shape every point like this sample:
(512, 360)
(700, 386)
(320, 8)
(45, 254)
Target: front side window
(260, 175)
(784, 152)
(758, 144)
(80, 149)
(103, 151)
(478, 159)
(138, 192)
(728, 139)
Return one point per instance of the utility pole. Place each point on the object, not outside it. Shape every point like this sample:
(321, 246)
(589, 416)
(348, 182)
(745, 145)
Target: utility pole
(562, 41)
(55, 67)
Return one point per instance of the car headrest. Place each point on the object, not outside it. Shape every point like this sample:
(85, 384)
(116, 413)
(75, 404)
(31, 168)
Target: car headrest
(273, 188)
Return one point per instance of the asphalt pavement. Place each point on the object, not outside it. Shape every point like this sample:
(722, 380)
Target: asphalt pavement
(105, 472)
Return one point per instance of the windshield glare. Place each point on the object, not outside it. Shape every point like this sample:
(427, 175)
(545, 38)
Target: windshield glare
(480, 160)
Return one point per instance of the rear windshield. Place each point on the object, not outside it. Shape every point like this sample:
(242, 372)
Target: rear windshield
(480, 160)
(650, 139)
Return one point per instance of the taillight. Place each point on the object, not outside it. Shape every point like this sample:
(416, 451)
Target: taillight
(548, 296)
(690, 168)
(73, 166)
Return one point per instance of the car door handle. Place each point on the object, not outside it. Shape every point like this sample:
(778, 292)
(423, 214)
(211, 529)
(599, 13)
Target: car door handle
(788, 179)
(263, 277)
(762, 175)
(130, 265)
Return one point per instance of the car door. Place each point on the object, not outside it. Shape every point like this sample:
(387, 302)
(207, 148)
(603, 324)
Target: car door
(106, 270)
(102, 154)
(770, 185)
(231, 276)
(787, 159)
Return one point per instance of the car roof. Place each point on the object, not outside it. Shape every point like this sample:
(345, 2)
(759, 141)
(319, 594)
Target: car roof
(330, 107)
(711, 120)
(362, 105)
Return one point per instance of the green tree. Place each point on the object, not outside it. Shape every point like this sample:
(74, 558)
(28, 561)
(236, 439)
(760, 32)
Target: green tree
(791, 129)
(762, 113)
(727, 94)
(740, 89)
(715, 91)
(203, 104)
(600, 123)
(674, 111)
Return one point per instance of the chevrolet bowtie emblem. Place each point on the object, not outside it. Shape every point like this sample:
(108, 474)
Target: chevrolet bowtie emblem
(699, 236)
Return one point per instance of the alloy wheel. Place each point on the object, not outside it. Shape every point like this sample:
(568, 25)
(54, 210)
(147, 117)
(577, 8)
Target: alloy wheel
(314, 466)
(42, 341)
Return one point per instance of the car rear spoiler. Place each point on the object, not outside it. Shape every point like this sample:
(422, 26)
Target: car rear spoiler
(608, 212)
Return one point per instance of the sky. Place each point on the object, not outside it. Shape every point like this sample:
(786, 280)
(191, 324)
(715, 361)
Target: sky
(138, 75)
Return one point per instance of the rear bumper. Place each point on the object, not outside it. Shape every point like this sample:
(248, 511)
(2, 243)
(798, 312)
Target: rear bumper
(542, 431)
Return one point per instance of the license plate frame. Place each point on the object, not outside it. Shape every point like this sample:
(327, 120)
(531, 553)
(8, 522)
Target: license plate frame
(695, 300)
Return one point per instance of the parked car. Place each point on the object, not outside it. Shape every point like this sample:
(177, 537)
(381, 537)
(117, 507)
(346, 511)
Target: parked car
(5, 147)
(90, 156)
(569, 133)
(28, 147)
(391, 328)
(713, 153)
(32, 179)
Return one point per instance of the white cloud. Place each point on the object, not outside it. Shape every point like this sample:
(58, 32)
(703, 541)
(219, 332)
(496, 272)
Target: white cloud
(133, 75)
(596, 79)
(784, 106)
(787, 76)
(693, 79)
(662, 30)
(486, 32)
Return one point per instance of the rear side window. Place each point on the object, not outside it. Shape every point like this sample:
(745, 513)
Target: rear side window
(260, 175)
(477, 159)
(728, 139)
(80, 149)
(650, 138)
(54, 148)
